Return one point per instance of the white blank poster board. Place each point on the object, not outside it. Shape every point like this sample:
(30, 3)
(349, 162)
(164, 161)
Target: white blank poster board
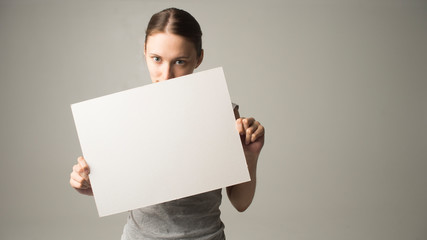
(160, 142)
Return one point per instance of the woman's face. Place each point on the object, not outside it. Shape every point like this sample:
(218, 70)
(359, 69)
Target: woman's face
(170, 56)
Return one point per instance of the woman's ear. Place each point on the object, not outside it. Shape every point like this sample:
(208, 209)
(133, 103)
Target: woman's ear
(200, 59)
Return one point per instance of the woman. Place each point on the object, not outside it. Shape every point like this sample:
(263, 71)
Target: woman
(173, 48)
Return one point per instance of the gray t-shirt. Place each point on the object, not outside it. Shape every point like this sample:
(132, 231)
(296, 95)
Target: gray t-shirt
(194, 217)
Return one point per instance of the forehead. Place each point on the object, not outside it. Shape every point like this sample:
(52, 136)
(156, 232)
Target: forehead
(167, 44)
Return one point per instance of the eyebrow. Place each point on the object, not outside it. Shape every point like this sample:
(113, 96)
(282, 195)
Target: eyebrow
(180, 57)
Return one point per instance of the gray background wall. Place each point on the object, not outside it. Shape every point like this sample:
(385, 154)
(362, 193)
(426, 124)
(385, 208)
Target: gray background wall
(339, 85)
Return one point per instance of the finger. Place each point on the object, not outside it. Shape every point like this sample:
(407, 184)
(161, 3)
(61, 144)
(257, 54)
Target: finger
(79, 171)
(79, 179)
(77, 185)
(239, 126)
(248, 125)
(259, 132)
(77, 168)
(248, 135)
(250, 132)
(83, 164)
(247, 122)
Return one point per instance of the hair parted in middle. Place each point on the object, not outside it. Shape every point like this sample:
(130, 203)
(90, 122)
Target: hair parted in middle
(176, 21)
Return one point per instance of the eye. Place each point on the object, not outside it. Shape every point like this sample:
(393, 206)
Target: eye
(179, 62)
(156, 59)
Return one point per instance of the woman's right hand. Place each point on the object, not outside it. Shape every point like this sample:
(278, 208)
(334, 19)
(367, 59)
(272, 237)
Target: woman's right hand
(79, 177)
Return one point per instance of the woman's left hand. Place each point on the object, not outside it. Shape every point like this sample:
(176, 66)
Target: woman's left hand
(252, 135)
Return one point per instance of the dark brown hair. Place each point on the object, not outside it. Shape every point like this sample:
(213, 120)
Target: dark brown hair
(179, 22)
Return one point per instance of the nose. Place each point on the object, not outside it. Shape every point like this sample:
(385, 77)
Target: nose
(167, 73)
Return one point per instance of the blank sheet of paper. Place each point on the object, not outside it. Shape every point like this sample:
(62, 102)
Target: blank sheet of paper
(160, 142)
